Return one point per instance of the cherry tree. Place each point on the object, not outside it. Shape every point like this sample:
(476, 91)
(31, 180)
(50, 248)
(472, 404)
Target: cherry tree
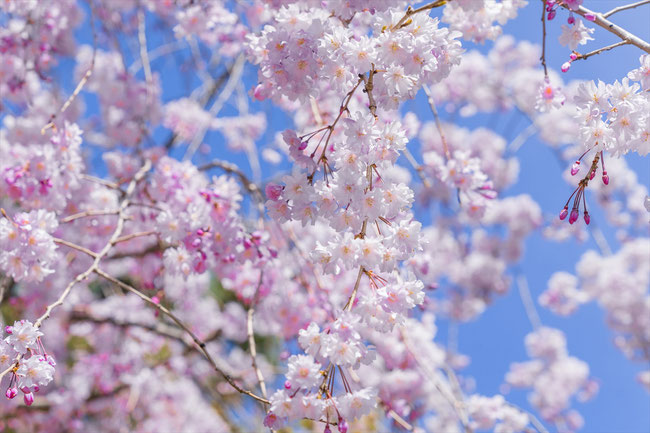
(232, 216)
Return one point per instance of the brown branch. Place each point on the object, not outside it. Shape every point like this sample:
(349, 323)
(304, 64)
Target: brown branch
(134, 235)
(88, 213)
(201, 344)
(251, 338)
(404, 21)
(600, 50)
(75, 247)
(97, 256)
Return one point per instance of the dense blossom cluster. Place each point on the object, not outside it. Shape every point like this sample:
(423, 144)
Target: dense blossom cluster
(177, 292)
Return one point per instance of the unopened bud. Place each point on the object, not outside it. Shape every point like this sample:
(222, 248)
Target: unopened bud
(574, 216)
(29, 399)
(9, 330)
(564, 212)
(566, 66)
(587, 218)
(605, 178)
(571, 19)
(342, 425)
(590, 17)
(575, 168)
(551, 14)
(11, 392)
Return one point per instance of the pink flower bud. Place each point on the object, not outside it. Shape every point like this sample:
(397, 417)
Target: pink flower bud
(287, 384)
(574, 216)
(573, 56)
(590, 17)
(564, 212)
(575, 168)
(36, 388)
(587, 218)
(25, 390)
(259, 93)
(566, 66)
(605, 178)
(551, 14)
(155, 300)
(343, 426)
(273, 191)
(11, 392)
(29, 399)
(327, 429)
(571, 19)
(270, 419)
(9, 329)
(592, 174)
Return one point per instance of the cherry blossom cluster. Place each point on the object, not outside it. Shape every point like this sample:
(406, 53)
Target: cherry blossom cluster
(42, 174)
(27, 249)
(187, 295)
(27, 374)
(627, 309)
(31, 40)
(554, 378)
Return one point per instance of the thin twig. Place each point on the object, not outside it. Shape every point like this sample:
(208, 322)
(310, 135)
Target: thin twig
(403, 22)
(134, 235)
(625, 7)
(89, 213)
(235, 74)
(602, 21)
(418, 168)
(201, 344)
(75, 247)
(83, 80)
(144, 55)
(527, 300)
(600, 50)
(97, 256)
(251, 338)
(543, 57)
(434, 110)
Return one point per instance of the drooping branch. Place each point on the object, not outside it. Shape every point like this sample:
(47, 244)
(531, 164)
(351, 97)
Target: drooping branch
(602, 21)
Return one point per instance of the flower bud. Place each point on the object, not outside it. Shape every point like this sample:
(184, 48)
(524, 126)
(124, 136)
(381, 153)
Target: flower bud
(575, 168)
(571, 19)
(566, 66)
(28, 398)
(605, 178)
(590, 17)
(564, 212)
(11, 392)
(573, 56)
(9, 329)
(574, 216)
(273, 191)
(343, 426)
(551, 14)
(587, 218)
(287, 384)
(592, 174)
